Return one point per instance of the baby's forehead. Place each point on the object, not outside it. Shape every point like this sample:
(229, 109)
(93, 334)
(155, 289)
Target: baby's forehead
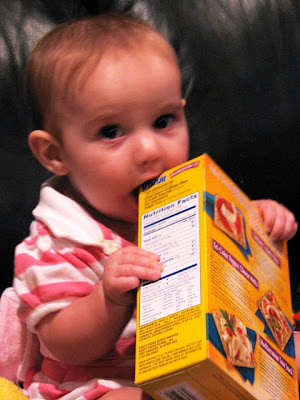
(113, 71)
(138, 49)
(72, 76)
(140, 54)
(76, 75)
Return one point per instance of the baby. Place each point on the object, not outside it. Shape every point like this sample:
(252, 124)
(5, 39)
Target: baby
(106, 100)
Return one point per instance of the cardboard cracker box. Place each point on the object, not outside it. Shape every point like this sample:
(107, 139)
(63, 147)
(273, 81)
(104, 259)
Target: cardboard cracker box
(217, 325)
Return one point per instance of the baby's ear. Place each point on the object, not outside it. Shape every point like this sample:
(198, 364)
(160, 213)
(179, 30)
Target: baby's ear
(48, 151)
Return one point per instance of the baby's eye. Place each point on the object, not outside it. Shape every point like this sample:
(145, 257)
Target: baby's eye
(111, 132)
(163, 121)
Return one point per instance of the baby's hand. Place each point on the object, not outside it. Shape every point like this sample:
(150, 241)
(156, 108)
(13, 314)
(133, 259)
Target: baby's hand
(123, 271)
(279, 221)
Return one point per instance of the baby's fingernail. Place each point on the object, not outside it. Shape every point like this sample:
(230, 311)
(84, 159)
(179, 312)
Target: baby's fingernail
(159, 267)
(156, 275)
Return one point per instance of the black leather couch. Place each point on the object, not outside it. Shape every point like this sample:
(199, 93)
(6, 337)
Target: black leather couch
(240, 63)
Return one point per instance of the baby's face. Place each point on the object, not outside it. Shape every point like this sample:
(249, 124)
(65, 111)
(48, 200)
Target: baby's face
(127, 125)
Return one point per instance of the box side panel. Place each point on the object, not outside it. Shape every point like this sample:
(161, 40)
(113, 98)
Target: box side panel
(247, 275)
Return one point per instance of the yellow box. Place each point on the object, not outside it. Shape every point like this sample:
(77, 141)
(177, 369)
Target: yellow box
(217, 325)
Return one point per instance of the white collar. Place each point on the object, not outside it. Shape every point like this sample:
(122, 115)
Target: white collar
(64, 217)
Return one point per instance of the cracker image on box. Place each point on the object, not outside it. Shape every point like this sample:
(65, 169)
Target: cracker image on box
(234, 338)
(275, 319)
(230, 220)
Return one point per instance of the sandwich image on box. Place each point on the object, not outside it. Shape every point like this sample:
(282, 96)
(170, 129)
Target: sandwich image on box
(217, 325)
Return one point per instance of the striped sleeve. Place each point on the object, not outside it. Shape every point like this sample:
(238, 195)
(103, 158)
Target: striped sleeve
(51, 272)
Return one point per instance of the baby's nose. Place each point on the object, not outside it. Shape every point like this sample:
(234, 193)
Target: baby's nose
(147, 148)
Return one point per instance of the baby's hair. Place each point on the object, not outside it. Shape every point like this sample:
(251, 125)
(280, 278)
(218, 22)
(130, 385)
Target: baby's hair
(73, 49)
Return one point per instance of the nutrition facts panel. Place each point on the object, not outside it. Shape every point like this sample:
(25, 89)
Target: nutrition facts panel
(172, 231)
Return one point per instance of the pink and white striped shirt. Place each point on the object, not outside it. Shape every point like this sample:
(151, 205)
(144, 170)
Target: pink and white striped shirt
(63, 259)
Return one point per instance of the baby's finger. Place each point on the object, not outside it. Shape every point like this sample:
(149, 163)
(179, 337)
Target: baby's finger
(293, 231)
(141, 271)
(142, 258)
(285, 225)
(127, 283)
(290, 228)
(268, 211)
(279, 227)
(133, 250)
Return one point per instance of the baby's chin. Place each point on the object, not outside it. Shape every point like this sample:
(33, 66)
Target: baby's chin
(129, 213)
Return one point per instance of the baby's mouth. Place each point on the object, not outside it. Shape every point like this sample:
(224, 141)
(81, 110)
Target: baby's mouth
(144, 185)
(136, 192)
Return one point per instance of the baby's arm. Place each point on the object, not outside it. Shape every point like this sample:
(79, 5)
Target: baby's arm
(278, 220)
(89, 327)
